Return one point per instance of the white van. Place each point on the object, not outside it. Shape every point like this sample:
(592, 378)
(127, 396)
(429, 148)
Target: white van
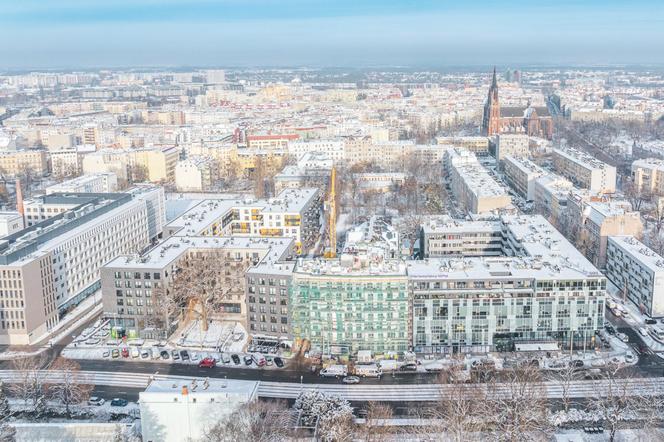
(657, 334)
(334, 371)
(368, 370)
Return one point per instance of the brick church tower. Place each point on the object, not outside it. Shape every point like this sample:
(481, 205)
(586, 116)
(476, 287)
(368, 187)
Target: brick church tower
(491, 116)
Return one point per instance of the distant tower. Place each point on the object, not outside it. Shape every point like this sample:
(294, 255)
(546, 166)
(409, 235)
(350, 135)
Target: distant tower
(491, 117)
(19, 198)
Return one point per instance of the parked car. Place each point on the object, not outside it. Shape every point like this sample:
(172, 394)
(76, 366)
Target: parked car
(248, 360)
(408, 367)
(629, 358)
(643, 331)
(164, 354)
(119, 402)
(623, 337)
(236, 359)
(578, 363)
(96, 400)
(351, 380)
(134, 352)
(194, 357)
(225, 358)
(115, 353)
(175, 355)
(106, 353)
(278, 362)
(207, 363)
(145, 353)
(650, 321)
(125, 352)
(184, 355)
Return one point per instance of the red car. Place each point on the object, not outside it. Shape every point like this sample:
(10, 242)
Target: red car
(207, 363)
(125, 352)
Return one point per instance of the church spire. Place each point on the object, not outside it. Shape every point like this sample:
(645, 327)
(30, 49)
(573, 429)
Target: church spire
(494, 81)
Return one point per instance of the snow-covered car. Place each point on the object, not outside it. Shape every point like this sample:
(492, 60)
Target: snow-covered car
(598, 363)
(643, 331)
(629, 358)
(194, 356)
(623, 337)
(96, 400)
(106, 353)
(351, 380)
(135, 353)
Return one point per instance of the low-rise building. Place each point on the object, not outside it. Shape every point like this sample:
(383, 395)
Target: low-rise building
(514, 145)
(196, 174)
(638, 272)
(10, 223)
(175, 411)
(443, 236)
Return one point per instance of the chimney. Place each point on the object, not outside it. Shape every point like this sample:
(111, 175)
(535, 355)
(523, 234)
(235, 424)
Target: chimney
(19, 198)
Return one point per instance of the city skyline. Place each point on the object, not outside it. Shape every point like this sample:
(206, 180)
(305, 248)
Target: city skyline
(73, 33)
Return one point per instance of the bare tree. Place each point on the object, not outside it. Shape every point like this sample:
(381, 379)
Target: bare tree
(565, 379)
(257, 421)
(30, 385)
(331, 414)
(71, 389)
(375, 428)
(614, 402)
(517, 407)
(635, 195)
(205, 280)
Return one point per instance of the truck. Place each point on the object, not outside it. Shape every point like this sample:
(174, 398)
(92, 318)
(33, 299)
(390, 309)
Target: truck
(368, 370)
(334, 371)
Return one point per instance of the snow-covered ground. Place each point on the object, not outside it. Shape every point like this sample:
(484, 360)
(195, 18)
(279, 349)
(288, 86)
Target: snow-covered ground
(224, 336)
(635, 319)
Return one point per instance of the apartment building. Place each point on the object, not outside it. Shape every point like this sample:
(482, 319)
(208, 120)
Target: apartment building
(94, 183)
(473, 187)
(521, 175)
(131, 284)
(379, 181)
(595, 221)
(334, 149)
(477, 145)
(442, 236)
(196, 174)
(648, 175)
(17, 162)
(345, 305)
(550, 195)
(638, 272)
(271, 141)
(50, 267)
(294, 213)
(158, 163)
(540, 290)
(514, 145)
(585, 170)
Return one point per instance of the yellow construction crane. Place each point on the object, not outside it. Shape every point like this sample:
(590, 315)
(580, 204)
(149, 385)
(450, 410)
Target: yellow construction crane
(332, 216)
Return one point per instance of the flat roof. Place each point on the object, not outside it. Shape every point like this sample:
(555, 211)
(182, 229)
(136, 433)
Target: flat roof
(199, 386)
(639, 251)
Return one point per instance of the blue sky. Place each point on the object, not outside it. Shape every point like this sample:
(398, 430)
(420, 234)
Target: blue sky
(90, 33)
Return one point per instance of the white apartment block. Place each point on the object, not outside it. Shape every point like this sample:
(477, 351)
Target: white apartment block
(638, 272)
(585, 170)
(521, 174)
(443, 236)
(540, 290)
(515, 145)
(48, 268)
(474, 188)
(294, 213)
(93, 183)
(334, 149)
(550, 196)
(196, 174)
(648, 175)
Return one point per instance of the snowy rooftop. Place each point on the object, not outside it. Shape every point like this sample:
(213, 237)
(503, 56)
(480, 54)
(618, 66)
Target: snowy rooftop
(525, 166)
(350, 265)
(639, 251)
(270, 250)
(649, 163)
(446, 224)
(582, 158)
(197, 387)
(207, 212)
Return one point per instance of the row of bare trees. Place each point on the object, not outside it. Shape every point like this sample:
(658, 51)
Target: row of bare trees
(512, 406)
